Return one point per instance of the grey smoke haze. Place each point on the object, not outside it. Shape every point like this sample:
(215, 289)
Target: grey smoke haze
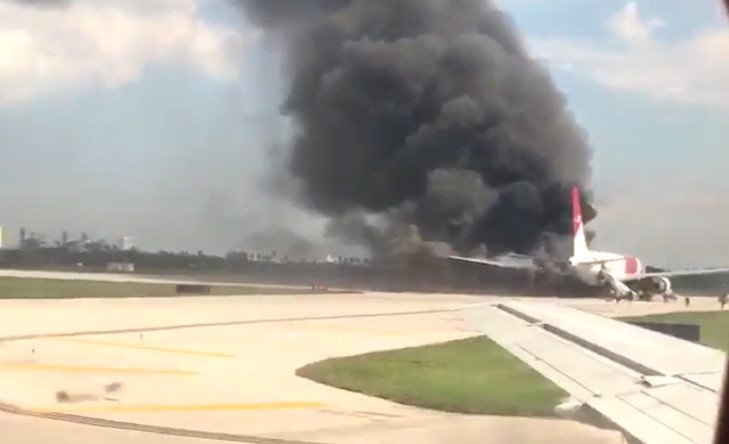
(424, 117)
(42, 2)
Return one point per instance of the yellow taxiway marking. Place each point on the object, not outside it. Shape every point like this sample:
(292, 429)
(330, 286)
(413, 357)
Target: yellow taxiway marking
(152, 408)
(146, 347)
(89, 369)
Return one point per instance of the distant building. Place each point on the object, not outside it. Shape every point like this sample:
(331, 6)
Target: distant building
(120, 267)
(126, 243)
(32, 241)
(76, 246)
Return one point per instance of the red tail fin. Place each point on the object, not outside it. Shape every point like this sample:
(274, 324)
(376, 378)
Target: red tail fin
(579, 248)
(576, 211)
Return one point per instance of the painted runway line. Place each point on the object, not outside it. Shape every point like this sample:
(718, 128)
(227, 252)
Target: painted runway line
(90, 369)
(152, 348)
(230, 323)
(148, 428)
(323, 326)
(156, 408)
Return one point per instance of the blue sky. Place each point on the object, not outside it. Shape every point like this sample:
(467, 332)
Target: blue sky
(164, 135)
(658, 159)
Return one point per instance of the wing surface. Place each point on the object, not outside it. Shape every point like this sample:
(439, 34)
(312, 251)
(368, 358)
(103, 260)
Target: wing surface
(656, 388)
(674, 273)
(509, 261)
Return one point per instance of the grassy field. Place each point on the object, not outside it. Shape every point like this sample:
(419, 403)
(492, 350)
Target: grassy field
(714, 325)
(22, 288)
(466, 376)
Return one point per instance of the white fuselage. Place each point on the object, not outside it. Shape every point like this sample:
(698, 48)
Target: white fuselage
(587, 268)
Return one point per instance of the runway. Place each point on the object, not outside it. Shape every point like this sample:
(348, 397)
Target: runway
(222, 368)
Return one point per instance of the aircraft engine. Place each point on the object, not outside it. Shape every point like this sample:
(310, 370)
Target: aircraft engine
(663, 285)
(656, 285)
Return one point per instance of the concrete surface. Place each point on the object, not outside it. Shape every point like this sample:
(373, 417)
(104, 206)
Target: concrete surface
(640, 308)
(28, 430)
(222, 368)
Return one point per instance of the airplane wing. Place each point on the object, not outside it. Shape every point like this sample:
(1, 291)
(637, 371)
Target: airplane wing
(674, 273)
(513, 262)
(655, 388)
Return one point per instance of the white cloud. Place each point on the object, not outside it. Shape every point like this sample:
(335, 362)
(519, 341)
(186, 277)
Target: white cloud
(691, 70)
(104, 44)
(629, 26)
(675, 227)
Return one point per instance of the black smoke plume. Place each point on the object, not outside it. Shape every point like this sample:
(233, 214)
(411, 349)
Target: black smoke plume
(429, 115)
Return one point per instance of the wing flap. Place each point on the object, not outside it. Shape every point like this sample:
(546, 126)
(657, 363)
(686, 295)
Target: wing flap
(674, 273)
(679, 412)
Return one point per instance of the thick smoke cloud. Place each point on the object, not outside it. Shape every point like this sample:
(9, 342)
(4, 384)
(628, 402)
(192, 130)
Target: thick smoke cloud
(424, 117)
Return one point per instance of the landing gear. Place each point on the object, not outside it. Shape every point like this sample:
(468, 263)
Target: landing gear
(629, 296)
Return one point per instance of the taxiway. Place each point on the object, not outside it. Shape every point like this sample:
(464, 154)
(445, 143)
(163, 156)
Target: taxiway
(223, 368)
